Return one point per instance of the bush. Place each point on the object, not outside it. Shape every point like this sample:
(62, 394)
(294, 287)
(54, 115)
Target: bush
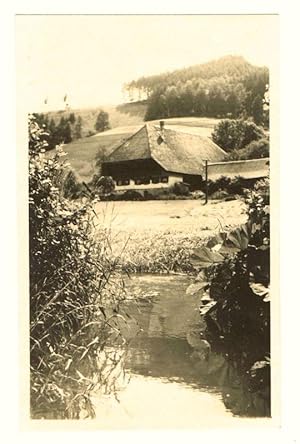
(72, 189)
(149, 196)
(236, 134)
(220, 194)
(131, 195)
(237, 185)
(198, 194)
(221, 183)
(136, 195)
(104, 185)
(234, 274)
(255, 150)
(180, 189)
(227, 185)
(72, 293)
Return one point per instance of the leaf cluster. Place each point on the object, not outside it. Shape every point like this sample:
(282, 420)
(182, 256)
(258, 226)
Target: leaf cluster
(234, 278)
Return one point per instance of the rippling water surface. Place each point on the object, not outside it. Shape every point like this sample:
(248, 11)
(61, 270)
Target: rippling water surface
(175, 379)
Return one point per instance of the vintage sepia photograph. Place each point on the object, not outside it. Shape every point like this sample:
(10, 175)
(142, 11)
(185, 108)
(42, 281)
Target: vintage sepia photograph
(150, 154)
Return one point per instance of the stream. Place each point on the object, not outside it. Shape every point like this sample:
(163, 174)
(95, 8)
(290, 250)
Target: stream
(175, 379)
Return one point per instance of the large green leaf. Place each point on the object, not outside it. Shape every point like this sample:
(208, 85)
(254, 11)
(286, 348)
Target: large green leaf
(204, 257)
(237, 239)
(205, 309)
(260, 290)
(195, 288)
(218, 239)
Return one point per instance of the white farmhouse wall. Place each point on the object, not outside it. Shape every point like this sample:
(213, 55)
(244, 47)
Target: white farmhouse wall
(151, 186)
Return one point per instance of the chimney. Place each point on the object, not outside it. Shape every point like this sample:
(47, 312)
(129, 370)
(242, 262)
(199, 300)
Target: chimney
(162, 125)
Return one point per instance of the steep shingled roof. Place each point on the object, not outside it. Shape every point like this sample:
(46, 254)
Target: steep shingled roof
(176, 151)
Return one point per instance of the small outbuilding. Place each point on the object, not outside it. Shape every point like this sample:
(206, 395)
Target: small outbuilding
(157, 157)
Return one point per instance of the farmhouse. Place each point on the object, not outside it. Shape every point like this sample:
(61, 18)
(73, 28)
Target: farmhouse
(156, 157)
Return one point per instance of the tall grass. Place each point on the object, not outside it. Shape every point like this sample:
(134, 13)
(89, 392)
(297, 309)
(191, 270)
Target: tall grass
(75, 296)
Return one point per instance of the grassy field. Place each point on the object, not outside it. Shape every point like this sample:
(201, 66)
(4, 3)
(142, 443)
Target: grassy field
(159, 236)
(82, 152)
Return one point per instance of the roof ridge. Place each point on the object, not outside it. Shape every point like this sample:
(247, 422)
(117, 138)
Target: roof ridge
(125, 141)
(150, 126)
(148, 138)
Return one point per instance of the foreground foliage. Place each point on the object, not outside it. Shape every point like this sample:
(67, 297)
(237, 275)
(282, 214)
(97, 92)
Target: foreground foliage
(74, 294)
(234, 276)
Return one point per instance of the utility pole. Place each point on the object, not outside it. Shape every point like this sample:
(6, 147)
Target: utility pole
(206, 183)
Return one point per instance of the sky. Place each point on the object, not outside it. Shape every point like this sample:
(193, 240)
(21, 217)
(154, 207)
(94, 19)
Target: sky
(89, 58)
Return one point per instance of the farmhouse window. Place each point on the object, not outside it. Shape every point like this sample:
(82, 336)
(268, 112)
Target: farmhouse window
(164, 179)
(146, 180)
(138, 182)
(123, 182)
(155, 179)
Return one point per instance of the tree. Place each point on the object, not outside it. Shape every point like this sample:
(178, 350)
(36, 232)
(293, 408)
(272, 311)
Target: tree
(62, 132)
(102, 122)
(78, 128)
(236, 134)
(62, 122)
(67, 133)
(100, 158)
(72, 118)
(257, 110)
(226, 87)
(255, 150)
(71, 185)
(266, 107)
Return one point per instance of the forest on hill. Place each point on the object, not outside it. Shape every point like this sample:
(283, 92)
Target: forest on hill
(70, 125)
(227, 87)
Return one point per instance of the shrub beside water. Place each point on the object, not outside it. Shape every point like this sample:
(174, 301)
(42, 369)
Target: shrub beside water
(234, 277)
(74, 296)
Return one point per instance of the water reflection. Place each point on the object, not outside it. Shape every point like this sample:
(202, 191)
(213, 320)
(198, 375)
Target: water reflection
(165, 339)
